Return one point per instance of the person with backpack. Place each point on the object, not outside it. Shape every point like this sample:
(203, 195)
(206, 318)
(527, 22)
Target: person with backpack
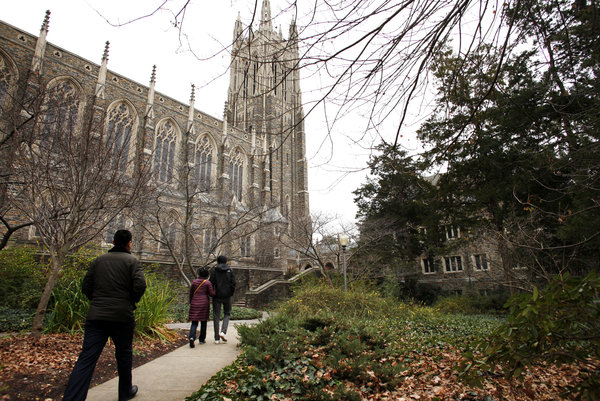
(223, 280)
(200, 292)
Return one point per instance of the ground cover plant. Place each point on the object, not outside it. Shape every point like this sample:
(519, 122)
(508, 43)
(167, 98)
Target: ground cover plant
(327, 344)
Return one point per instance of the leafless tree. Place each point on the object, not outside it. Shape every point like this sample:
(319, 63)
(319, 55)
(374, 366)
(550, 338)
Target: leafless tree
(69, 176)
(316, 241)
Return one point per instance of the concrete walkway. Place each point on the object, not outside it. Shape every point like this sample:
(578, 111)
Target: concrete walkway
(178, 374)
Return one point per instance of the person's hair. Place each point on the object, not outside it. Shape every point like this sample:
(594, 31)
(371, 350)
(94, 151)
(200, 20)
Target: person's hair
(122, 238)
(203, 272)
(221, 259)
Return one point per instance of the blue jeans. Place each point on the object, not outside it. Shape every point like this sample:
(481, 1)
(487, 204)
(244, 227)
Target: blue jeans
(193, 329)
(226, 302)
(96, 334)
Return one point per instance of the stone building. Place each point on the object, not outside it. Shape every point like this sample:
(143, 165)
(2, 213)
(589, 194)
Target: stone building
(248, 169)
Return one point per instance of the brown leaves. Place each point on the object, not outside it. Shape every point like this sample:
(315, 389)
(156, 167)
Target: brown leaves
(38, 369)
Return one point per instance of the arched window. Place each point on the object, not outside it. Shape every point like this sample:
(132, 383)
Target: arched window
(210, 240)
(168, 231)
(164, 152)
(203, 159)
(117, 223)
(7, 80)
(236, 173)
(60, 112)
(119, 134)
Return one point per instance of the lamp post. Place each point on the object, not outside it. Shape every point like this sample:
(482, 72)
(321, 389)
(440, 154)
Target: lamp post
(343, 239)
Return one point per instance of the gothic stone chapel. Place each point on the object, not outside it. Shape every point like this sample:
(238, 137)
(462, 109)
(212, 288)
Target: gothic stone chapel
(236, 186)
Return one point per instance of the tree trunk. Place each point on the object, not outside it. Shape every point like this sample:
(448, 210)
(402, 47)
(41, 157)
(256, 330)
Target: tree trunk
(56, 264)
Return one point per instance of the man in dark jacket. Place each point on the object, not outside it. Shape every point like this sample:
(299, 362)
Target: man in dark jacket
(223, 279)
(114, 283)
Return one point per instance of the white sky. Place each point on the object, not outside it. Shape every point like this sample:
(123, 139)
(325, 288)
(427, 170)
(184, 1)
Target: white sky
(79, 26)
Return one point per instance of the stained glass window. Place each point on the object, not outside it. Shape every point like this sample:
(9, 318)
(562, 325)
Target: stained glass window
(60, 112)
(118, 135)
(6, 79)
(203, 158)
(164, 152)
(236, 174)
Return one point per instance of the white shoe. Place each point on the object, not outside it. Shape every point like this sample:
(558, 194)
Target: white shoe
(222, 335)
(217, 342)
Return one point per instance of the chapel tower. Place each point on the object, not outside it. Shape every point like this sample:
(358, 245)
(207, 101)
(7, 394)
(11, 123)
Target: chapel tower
(264, 99)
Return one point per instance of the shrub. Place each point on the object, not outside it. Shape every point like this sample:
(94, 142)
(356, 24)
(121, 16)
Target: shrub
(456, 304)
(15, 319)
(68, 306)
(22, 278)
(152, 311)
(559, 324)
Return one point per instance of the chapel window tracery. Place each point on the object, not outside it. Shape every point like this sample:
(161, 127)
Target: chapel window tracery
(119, 133)
(164, 152)
(6, 80)
(236, 174)
(203, 158)
(60, 112)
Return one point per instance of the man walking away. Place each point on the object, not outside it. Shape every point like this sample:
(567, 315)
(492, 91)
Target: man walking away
(223, 279)
(114, 283)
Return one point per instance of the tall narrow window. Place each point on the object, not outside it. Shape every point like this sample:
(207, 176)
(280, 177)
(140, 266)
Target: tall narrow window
(118, 134)
(118, 223)
(275, 78)
(236, 174)
(168, 233)
(164, 152)
(202, 164)
(254, 78)
(210, 240)
(60, 113)
(245, 246)
(7, 78)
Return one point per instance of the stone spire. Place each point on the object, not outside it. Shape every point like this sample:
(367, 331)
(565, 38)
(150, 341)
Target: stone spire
(190, 121)
(101, 84)
(150, 101)
(225, 107)
(265, 17)
(40, 46)
(238, 38)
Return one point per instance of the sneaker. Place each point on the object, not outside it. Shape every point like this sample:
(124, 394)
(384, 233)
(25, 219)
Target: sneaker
(217, 342)
(201, 342)
(222, 335)
(192, 345)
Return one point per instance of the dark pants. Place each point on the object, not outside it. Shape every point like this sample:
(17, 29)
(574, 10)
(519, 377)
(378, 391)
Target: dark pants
(193, 329)
(217, 302)
(96, 334)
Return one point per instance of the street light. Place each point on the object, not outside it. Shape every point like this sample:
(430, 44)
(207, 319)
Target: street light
(343, 239)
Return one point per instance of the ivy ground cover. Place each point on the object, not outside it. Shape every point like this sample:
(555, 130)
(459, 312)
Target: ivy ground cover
(325, 344)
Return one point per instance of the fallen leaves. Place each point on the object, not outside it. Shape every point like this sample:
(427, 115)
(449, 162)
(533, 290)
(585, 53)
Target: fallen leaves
(38, 369)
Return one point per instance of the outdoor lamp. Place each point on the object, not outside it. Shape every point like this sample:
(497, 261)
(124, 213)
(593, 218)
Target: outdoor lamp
(343, 239)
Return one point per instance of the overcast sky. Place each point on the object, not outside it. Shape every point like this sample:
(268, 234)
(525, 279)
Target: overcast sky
(194, 55)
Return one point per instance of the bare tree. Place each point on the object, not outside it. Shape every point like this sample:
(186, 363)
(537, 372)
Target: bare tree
(316, 240)
(69, 176)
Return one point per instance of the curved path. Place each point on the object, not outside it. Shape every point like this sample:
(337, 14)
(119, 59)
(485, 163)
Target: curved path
(178, 374)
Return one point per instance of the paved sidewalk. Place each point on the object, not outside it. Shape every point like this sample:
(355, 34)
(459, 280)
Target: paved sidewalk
(178, 374)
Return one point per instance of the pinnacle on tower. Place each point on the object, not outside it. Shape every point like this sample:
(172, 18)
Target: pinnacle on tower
(265, 17)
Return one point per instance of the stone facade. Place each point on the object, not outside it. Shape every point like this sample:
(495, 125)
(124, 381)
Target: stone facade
(250, 163)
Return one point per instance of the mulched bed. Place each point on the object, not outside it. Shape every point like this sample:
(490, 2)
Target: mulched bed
(39, 369)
